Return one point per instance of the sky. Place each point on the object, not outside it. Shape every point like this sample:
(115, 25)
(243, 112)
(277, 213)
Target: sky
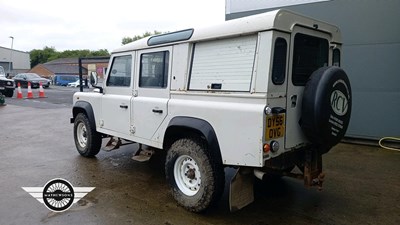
(94, 25)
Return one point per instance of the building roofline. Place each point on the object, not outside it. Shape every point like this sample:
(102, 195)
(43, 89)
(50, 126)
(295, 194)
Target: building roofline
(13, 50)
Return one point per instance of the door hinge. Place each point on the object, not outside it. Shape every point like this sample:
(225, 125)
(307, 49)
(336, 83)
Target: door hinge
(135, 93)
(132, 129)
(101, 123)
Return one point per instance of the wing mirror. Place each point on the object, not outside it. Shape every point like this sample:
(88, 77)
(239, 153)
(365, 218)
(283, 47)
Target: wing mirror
(94, 80)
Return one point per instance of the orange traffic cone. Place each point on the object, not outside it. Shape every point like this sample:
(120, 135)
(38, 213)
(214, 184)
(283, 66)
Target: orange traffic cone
(19, 92)
(30, 94)
(41, 91)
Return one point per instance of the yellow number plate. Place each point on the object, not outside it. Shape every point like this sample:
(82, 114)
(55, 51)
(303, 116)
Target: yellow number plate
(275, 127)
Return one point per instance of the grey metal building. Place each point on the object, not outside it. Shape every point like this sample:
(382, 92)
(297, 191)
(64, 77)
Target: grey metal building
(19, 61)
(371, 54)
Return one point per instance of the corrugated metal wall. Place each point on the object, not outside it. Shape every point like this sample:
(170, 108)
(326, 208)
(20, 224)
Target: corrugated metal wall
(371, 56)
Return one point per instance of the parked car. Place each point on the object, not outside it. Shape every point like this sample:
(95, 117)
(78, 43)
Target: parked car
(33, 78)
(64, 80)
(6, 85)
(77, 84)
(73, 84)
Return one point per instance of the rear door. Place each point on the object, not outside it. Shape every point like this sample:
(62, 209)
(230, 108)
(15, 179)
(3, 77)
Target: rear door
(309, 51)
(152, 91)
(277, 85)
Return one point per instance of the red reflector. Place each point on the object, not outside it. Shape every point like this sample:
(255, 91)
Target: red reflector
(267, 148)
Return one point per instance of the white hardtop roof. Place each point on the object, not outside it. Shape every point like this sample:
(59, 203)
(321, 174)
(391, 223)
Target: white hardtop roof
(282, 20)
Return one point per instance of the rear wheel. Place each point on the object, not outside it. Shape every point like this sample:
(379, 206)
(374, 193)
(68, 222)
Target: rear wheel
(196, 179)
(87, 139)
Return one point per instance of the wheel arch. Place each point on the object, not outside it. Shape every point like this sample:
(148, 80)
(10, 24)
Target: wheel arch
(182, 126)
(86, 108)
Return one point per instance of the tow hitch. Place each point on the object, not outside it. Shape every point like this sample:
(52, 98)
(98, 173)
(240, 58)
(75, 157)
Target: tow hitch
(313, 175)
(241, 186)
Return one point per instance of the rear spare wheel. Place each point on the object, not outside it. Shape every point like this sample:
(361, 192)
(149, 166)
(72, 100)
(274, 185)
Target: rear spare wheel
(326, 107)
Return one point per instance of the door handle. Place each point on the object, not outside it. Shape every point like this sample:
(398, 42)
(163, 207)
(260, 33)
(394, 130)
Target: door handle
(278, 110)
(123, 106)
(293, 99)
(157, 111)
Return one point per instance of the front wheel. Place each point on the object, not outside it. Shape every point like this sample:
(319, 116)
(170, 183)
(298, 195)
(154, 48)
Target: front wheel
(195, 177)
(87, 139)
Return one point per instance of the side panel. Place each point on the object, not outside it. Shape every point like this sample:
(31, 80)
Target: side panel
(200, 125)
(224, 64)
(116, 112)
(180, 66)
(89, 101)
(87, 108)
(236, 120)
(263, 65)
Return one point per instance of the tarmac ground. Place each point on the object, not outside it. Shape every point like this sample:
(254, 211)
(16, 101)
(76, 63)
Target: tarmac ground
(362, 184)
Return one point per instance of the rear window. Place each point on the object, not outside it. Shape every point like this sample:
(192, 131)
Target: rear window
(279, 63)
(310, 53)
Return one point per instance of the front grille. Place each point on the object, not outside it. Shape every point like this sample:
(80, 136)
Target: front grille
(5, 83)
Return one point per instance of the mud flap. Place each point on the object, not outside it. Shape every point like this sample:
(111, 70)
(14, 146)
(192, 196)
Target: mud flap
(241, 191)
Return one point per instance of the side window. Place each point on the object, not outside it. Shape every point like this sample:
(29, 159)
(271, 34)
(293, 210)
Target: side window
(310, 53)
(279, 63)
(120, 72)
(154, 69)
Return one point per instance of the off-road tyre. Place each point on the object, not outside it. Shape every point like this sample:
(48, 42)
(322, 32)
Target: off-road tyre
(87, 139)
(326, 107)
(208, 180)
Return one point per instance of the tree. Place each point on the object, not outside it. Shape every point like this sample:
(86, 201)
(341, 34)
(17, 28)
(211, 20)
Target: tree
(41, 56)
(127, 40)
(50, 53)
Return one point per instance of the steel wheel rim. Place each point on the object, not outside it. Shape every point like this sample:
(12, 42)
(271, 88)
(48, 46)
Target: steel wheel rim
(187, 175)
(81, 135)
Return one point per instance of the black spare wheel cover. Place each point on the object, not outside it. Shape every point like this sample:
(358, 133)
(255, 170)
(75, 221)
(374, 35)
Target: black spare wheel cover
(326, 107)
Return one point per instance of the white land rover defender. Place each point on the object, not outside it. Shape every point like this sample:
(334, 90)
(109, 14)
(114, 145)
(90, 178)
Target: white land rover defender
(262, 94)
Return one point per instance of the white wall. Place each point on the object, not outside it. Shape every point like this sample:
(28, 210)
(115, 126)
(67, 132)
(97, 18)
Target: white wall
(21, 60)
